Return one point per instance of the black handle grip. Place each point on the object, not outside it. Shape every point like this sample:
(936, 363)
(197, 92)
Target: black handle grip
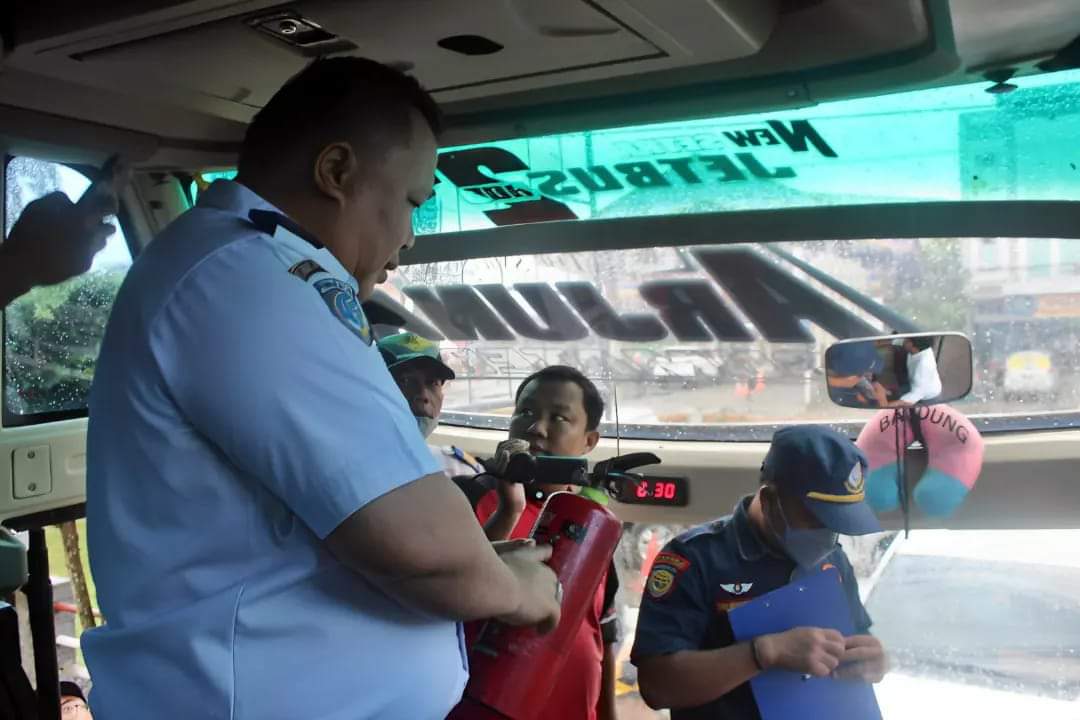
(622, 463)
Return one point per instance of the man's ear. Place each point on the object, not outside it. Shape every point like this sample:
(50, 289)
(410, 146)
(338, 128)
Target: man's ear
(335, 171)
(768, 497)
(591, 439)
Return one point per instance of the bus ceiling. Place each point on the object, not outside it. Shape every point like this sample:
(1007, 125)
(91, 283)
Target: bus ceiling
(193, 73)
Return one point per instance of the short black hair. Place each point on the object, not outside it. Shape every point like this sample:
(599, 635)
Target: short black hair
(335, 99)
(594, 404)
(922, 343)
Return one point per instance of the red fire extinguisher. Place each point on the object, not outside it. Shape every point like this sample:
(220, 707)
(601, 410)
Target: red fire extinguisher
(513, 669)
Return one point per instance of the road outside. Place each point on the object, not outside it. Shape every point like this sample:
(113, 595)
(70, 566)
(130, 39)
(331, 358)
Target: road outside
(671, 403)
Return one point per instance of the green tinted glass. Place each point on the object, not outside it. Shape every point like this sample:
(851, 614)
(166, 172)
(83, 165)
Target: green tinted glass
(955, 143)
(204, 180)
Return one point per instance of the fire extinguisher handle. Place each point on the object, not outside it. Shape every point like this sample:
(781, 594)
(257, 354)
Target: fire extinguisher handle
(622, 463)
(619, 465)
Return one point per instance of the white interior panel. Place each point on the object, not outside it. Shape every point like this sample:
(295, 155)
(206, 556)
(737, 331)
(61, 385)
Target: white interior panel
(386, 30)
(541, 42)
(66, 444)
(1028, 480)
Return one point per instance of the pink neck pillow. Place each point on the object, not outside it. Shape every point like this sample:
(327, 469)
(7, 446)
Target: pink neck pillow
(954, 449)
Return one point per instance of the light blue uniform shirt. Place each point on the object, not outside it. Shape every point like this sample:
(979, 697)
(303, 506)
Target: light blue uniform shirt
(236, 419)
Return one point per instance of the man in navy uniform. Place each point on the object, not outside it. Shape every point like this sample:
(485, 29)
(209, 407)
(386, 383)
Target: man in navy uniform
(812, 491)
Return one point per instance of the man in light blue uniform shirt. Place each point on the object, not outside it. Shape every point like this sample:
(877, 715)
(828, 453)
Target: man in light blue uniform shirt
(267, 528)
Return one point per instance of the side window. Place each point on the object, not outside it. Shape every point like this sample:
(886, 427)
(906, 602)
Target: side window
(52, 334)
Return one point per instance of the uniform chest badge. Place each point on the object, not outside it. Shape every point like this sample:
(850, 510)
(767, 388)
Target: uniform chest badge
(736, 588)
(342, 301)
(856, 483)
(734, 596)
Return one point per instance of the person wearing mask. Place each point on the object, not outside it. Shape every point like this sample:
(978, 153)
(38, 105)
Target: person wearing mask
(269, 535)
(420, 373)
(812, 491)
(557, 411)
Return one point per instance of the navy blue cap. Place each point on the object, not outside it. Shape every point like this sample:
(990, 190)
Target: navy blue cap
(853, 358)
(827, 471)
(70, 689)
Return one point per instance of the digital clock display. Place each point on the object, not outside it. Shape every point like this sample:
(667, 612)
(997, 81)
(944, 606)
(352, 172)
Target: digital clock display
(655, 490)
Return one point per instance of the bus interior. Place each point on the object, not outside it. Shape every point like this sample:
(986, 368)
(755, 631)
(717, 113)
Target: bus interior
(690, 201)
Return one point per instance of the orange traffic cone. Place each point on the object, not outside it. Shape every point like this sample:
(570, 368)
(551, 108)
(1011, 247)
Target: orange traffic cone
(646, 563)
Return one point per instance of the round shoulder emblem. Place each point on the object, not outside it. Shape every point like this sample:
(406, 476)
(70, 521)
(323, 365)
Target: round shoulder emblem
(342, 301)
(660, 581)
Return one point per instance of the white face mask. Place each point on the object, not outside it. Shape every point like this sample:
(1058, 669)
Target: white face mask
(427, 425)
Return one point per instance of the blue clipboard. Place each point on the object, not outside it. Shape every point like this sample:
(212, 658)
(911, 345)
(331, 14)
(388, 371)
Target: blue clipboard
(816, 600)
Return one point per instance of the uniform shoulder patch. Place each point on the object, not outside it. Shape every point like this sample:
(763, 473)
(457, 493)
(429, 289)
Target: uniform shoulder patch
(342, 301)
(661, 581)
(674, 559)
(665, 571)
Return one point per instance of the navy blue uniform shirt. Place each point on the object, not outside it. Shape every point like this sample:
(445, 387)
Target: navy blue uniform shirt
(700, 576)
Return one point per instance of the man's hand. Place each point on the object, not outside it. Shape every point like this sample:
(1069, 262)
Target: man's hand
(511, 494)
(511, 497)
(504, 546)
(538, 588)
(880, 394)
(863, 659)
(422, 544)
(55, 239)
(813, 651)
(504, 451)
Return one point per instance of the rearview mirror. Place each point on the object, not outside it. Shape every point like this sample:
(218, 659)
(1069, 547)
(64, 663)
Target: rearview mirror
(899, 370)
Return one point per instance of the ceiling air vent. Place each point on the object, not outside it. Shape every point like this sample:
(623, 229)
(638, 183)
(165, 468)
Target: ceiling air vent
(470, 45)
(305, 36)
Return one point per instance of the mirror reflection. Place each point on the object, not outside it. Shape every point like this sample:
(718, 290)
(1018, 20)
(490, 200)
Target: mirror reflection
(899, 370)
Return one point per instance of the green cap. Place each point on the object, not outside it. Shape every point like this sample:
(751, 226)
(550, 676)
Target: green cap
(409, 347)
